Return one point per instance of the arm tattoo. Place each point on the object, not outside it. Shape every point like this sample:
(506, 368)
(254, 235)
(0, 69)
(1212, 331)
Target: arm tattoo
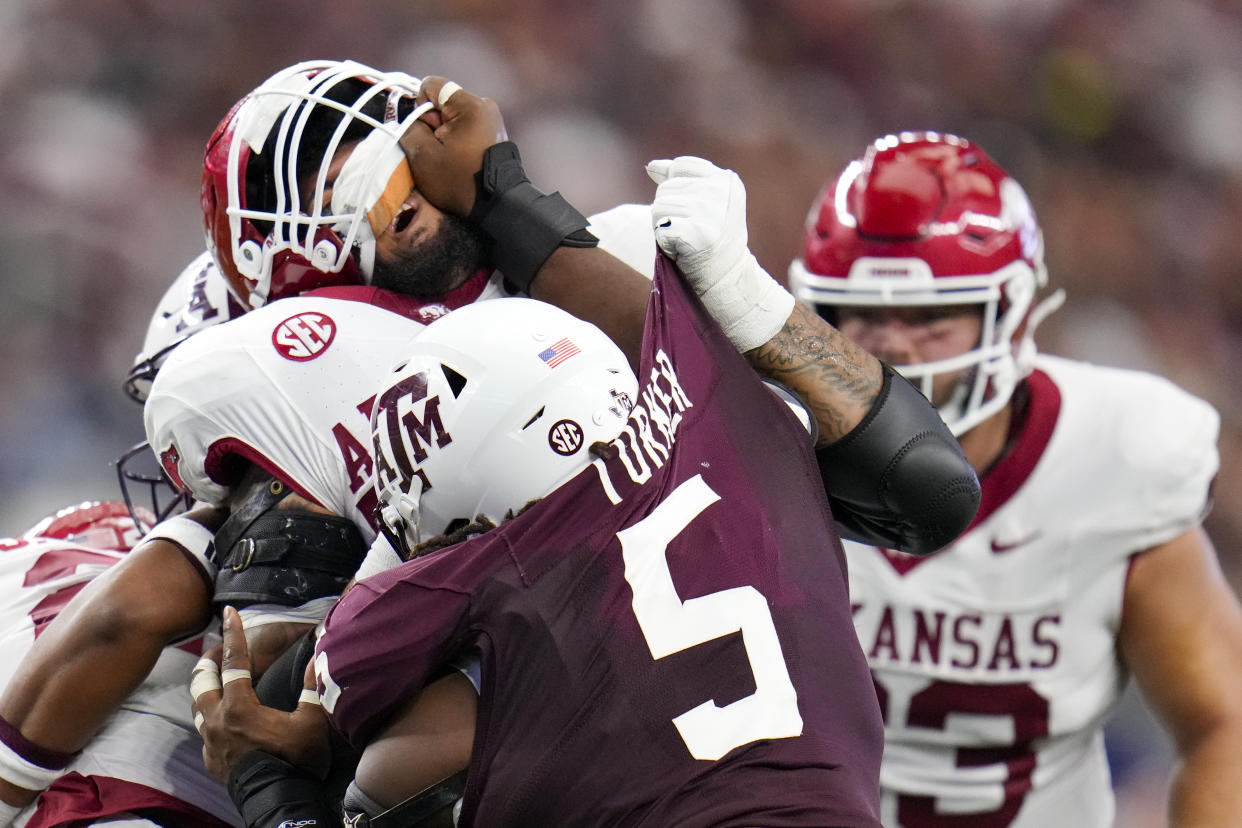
(836, 378)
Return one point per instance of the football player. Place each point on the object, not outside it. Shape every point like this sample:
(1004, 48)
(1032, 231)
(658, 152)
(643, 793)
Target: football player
(437, 479)
(541, 229)
(306, 184)
(162, 592)
(145, 766)
(747, 703)
(998, 659)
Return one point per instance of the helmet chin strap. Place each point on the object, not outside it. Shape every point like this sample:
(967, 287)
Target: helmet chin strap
(398, 518)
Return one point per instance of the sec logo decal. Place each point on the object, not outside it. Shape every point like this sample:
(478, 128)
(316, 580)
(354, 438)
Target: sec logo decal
(304, 336)
(565, 437)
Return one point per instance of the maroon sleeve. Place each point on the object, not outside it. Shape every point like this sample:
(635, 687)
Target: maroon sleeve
(376, 649)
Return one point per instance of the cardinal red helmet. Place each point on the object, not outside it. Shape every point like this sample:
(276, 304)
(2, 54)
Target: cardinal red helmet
(266, 172)
(94, 523)
(926, 218)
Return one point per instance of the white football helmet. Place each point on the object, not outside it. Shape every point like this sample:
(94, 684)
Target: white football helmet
(492, 406)
(269, 240)
(927, 218)
(198, 298)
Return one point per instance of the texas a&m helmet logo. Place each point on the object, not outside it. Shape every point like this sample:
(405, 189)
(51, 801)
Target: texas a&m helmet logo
(169, 458)
(304, 336)
(407, 424)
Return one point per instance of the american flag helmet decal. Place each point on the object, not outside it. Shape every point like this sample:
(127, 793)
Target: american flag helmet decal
(559, 351)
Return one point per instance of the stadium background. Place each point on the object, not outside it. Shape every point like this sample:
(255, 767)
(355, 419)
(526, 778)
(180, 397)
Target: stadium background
(1122, 119)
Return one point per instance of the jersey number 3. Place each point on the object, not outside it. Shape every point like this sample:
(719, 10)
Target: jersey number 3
(671, 625)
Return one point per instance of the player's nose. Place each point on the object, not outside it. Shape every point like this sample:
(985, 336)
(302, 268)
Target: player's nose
(884, 336)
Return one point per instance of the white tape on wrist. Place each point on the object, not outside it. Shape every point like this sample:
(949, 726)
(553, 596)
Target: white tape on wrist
(19, 771)
(749, 304)
(309, 696)
(190, 535)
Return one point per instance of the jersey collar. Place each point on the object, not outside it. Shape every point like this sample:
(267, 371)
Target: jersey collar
(1011, 471)
(424, 311)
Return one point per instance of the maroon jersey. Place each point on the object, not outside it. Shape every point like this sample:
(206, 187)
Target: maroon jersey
(664, 640)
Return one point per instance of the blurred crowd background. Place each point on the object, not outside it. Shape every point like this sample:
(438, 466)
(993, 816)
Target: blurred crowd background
(1122, 118)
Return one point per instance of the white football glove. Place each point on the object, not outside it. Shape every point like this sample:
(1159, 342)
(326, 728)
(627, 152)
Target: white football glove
(699, 218)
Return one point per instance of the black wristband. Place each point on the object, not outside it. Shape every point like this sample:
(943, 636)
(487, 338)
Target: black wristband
(269, 791)
(524, 224)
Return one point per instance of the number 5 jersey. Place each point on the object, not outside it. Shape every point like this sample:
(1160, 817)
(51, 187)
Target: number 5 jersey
(664, 640)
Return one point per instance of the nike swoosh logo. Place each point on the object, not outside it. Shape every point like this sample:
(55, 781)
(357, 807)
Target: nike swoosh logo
(1001, 548)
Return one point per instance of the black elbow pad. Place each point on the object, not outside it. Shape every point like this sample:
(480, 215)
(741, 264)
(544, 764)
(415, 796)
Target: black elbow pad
(899, 479)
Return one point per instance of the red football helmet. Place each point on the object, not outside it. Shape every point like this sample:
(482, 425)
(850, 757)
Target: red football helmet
(265, 173)
(926, 218)
(94, 523)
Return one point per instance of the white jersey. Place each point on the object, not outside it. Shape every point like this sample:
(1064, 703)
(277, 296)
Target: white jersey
(289, 387)
(995, 659)
(38, 576)
(150, 739)
(625, 232)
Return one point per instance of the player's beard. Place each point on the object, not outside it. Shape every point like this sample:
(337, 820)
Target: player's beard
(437, 266)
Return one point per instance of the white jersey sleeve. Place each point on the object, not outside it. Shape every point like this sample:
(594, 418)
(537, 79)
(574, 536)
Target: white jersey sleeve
(380, 556)
(625, 232)
(995, 659)
(288, 387)
(1163, 443)
(149, 740)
